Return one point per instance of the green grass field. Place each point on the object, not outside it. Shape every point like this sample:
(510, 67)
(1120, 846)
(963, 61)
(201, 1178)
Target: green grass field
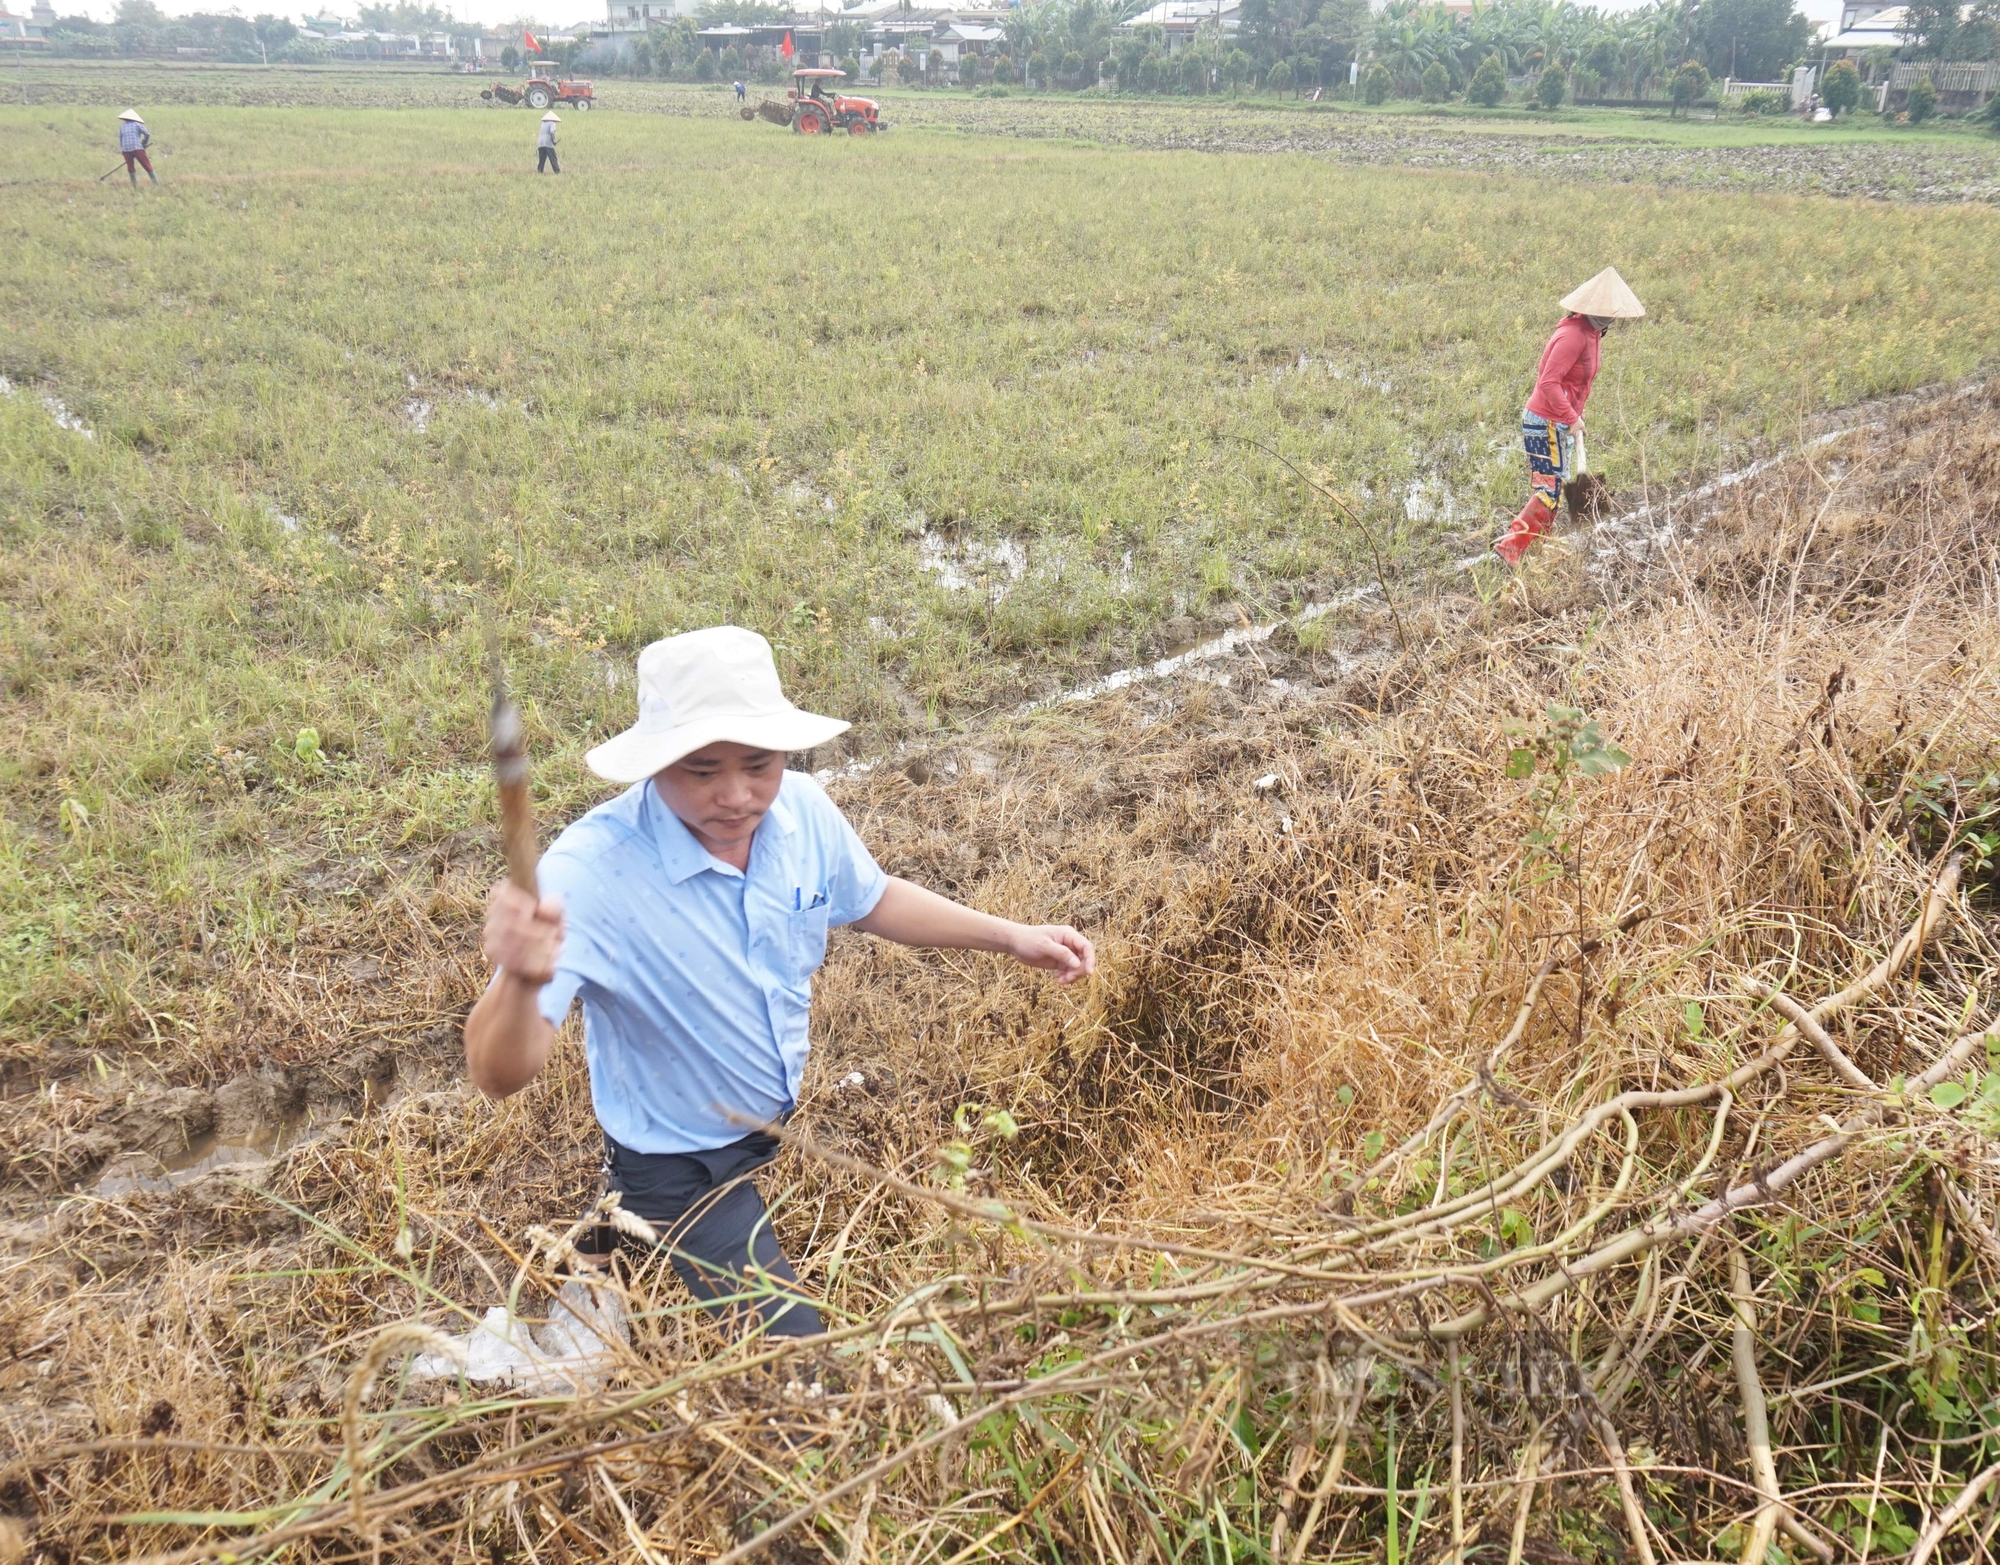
(953, 419)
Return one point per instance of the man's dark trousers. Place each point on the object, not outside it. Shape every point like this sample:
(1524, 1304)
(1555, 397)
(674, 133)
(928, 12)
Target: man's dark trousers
(545, 160)
(721, 1243)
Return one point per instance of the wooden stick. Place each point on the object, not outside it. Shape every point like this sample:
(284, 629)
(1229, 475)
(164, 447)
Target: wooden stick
(510, 775)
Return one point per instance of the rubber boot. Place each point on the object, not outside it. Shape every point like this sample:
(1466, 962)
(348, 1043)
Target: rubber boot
(1534, 520)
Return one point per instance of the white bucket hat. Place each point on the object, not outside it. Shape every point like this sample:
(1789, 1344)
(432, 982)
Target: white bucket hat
(699, 689)
(131, 114)
(552, 115)
(1606, 294)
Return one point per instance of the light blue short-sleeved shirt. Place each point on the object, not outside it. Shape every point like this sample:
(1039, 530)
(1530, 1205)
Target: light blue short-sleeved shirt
(696, 977)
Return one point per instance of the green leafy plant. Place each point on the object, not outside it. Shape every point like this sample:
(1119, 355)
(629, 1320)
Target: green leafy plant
(1948, 812)
(1920, 102)
(1690, 85)
(1567, 740)
(977, 1126)
(1840, 88)
(1552, 88)
(1565, 745)
(1376, 83)
(1436, 82)
(1489, 83)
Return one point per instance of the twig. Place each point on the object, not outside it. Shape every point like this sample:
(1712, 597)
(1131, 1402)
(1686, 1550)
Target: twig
(1816, 1035)
(1756, 1420)
(1952, 1515)
(1524, 1500)
(1628, 1499)
(1335, 1461)
(1458, 1458)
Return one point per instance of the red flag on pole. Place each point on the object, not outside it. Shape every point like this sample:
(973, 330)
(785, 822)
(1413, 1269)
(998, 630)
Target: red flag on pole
(786, 48)
(528, 38)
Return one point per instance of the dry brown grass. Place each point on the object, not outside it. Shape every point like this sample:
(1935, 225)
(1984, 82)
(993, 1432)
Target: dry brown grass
(1206, 1319)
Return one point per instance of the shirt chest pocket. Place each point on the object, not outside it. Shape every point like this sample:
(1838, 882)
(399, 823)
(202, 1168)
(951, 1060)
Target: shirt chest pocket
(805, 937)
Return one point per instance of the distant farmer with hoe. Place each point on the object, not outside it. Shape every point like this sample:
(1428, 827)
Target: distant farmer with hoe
(133, 141)
(1552, 422)
(689, 914)
(545, 148)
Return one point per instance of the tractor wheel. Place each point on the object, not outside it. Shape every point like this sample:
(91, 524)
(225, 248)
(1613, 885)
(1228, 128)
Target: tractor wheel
(581, 105)
(487, 94)
(812, 121)
(748, 114)
(539, 98)
(859, 128)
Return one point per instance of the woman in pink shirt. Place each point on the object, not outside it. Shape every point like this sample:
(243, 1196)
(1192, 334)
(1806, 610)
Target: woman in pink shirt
(1552, 422)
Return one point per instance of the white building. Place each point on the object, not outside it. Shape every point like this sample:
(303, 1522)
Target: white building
(1866, 25)
(638, 16)
(33, 28)
(1184, 21)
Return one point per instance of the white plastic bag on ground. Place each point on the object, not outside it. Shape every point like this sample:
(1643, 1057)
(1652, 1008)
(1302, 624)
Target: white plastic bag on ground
(576, 1350)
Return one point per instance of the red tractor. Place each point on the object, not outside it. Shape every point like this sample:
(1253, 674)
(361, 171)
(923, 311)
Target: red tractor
(820, 112)
(544, 89)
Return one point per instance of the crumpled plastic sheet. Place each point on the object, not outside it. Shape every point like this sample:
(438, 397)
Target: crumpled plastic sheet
(575, 1350)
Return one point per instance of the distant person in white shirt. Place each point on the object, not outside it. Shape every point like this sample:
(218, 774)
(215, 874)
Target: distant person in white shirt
(545, 149)
(133, 142)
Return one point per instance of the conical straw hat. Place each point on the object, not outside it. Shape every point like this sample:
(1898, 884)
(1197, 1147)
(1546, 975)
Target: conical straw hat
(131, 114)
(1605, 294)
(552, 115)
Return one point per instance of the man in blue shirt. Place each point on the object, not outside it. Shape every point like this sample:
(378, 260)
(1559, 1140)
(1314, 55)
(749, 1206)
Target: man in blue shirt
(689, 914)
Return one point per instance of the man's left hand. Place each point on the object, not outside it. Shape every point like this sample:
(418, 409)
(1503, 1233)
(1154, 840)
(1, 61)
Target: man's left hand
(1055, 948)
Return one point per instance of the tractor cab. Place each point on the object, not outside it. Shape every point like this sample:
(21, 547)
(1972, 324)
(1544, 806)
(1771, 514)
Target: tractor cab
(813, 82)
(820, 107)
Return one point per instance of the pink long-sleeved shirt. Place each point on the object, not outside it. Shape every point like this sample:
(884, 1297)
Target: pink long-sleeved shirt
(1569, 365)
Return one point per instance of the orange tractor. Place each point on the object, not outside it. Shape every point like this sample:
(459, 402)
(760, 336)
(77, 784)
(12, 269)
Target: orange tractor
(543, 89)
(812, 111)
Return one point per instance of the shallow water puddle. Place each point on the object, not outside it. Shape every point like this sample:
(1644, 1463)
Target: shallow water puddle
(136, 1173)
(962, 566)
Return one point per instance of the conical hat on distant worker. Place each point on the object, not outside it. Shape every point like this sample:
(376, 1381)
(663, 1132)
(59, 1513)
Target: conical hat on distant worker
(1605, 294)
(557, 118)
(131, 114)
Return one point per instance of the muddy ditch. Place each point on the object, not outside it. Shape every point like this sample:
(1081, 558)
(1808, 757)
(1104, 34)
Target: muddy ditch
(109, 1138)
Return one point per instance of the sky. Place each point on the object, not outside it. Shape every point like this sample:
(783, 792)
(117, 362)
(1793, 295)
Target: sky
(562, 13)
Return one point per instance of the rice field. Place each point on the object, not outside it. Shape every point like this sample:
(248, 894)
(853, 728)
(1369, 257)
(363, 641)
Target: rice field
(964, 417)
(955, 422)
